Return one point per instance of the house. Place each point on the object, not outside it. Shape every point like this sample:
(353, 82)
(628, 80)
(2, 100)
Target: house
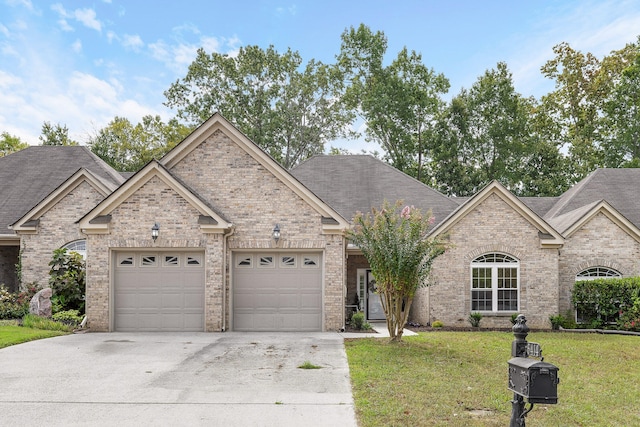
(508, 254)
(217, 236)
(44, 191)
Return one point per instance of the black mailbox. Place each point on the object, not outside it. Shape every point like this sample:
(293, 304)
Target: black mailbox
(533, 379)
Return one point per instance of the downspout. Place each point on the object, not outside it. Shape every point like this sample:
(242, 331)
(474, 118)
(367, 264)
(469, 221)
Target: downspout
(224, 276)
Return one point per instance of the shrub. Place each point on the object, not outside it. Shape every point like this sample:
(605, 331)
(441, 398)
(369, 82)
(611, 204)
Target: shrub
(67, 280)
(68, 317)
(357, 321)
(474, 319)
(437, 324)
(10, 307)
(630, 318)
(605, 301)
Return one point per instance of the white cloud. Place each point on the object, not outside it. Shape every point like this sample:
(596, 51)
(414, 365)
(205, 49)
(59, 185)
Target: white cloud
(133, 42)
(88, 18)
(26, 3)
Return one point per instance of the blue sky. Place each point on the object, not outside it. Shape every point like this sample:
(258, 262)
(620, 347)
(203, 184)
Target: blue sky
(81, 63)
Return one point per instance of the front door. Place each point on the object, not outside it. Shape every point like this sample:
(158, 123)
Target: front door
(374, 305)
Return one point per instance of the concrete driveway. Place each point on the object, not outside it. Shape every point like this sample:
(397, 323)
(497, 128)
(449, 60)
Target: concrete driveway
(133, 379)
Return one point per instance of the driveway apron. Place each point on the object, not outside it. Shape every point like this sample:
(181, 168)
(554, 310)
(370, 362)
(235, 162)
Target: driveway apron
(127, 379)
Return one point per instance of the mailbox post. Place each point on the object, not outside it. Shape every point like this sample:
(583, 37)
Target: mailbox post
(529, 378)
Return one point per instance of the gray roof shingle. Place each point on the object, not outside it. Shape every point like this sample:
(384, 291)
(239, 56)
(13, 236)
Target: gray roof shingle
(619, 187)
(29, 175)
(355, 183)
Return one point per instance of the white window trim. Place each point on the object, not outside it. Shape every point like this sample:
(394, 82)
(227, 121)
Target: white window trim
(494, 282)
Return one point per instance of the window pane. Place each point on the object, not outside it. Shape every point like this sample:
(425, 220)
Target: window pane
(507, 278)
(481, 278)
(508, 300)
(481, 300)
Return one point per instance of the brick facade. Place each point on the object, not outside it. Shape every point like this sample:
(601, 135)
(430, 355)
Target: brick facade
(493, 226)
(598, 243)
(244, 192)
(56, 228)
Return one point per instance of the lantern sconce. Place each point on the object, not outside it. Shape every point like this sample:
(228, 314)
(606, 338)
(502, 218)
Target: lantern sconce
(276, 233)
(155, 230)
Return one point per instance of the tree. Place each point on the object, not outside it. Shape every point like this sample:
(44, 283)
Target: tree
(126, 147)
(289, 110)
(55, 135)
(483, 135)
(622, 112)
(10, 144)
(583, 85)
(399, 103)
(395, 242)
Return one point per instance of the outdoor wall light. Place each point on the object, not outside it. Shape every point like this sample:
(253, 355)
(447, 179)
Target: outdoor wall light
(276, 233)
(155, 230)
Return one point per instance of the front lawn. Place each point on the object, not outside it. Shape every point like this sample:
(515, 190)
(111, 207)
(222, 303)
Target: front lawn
(13, 334)
(460, 379)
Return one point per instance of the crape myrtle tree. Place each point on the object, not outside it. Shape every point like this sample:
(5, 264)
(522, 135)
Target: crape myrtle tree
(395, 242)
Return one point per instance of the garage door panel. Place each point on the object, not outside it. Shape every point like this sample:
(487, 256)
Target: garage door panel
(282, 296)
(167, 295)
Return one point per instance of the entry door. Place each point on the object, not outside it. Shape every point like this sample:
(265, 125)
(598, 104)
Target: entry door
(374, 305)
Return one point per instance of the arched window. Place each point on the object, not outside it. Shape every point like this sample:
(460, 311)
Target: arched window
(79, 246)
(495, 281)
(596, 273)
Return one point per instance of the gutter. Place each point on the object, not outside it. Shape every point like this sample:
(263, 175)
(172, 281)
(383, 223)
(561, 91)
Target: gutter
(224, 276)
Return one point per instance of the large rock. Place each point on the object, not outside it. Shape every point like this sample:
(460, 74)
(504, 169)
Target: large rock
(40, 304)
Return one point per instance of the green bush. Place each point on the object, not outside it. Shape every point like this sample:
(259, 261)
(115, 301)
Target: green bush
(15, 305)
(67, 280)
(603, 302)
(437, 324)
(474, 319)
(358, 322)
(69, 317)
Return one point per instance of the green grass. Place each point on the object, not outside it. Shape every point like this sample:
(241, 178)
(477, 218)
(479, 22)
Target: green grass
(13, 334)
(309, 365)
(440, 378)
(33, 328)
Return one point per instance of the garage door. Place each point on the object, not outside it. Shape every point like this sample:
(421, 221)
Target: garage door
(277, 292)
(159, 291)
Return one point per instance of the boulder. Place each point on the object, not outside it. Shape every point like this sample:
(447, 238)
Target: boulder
(41, 303)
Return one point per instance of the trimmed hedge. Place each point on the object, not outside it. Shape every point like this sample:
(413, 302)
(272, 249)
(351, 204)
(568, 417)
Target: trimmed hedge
(609, 301)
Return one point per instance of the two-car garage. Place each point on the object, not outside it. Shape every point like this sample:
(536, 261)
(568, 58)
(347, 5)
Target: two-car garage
(165, 291)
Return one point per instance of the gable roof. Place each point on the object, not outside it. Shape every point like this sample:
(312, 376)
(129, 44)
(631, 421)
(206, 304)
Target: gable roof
(356, 183)
(572, 221)
(549, 237)
(29, 221)
(29, 175)
(619, 187)
(332, 219)
(97, 219)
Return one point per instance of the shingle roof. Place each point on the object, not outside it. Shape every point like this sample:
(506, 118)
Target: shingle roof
(29, 175)
(355, 183)
(619, 187)
(540, 205)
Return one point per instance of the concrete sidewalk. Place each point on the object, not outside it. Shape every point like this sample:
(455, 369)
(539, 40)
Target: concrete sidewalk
(127, 379)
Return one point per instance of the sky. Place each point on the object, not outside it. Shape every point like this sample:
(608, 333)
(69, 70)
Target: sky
(82, 63)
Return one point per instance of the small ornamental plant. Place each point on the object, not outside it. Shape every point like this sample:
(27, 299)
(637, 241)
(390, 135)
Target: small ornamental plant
(474, 319)
(395, 241)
